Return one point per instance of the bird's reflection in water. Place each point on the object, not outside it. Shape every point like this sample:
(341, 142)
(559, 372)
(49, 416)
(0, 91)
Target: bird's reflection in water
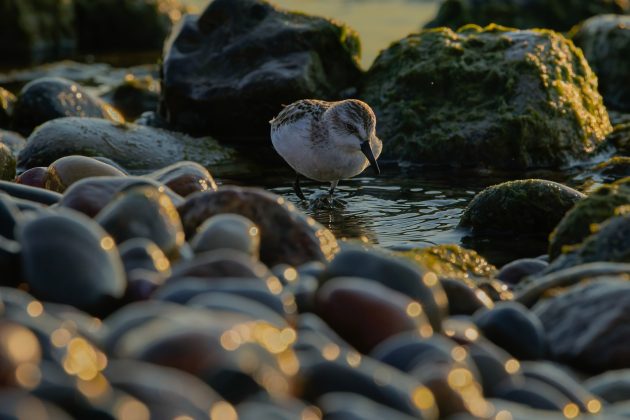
(339, 215)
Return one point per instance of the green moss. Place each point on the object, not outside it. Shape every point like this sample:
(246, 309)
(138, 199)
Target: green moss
(584, 218)
(486, 96)
(531, 206)
(451, 261)
(7, 164)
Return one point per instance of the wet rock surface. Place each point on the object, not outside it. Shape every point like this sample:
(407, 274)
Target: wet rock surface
(49, 98)
(475, 98)
(132, 146)
(531, 206)
(577, 223)
(248, 50)
(286, 235)
(522, 14)
(586, 326)
(605, 41)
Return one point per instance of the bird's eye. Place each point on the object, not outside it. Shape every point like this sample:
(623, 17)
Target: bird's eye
(350, 128)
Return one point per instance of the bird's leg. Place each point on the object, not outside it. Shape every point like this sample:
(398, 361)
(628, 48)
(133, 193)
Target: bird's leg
(296, 187)
(333, 185)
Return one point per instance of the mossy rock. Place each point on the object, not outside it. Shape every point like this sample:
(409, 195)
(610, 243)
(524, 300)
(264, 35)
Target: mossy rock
(7, 100)
(529, 207)
(125, 25)
(613, 169)
(610, 242)
(451, 261)
(7, 163)
(36, 29)
(578, 223)
(491, 97)
(605, 41)
(230, 70)
(620, 139)
(560, 15)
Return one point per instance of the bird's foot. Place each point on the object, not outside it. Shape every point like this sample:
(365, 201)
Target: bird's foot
(322, 200)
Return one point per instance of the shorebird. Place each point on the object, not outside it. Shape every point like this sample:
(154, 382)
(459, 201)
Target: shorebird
(326, 141)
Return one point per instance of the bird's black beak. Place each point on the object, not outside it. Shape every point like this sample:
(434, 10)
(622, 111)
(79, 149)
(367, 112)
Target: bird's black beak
(367, 151)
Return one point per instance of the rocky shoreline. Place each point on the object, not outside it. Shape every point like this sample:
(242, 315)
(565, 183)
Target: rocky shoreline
(133, 286)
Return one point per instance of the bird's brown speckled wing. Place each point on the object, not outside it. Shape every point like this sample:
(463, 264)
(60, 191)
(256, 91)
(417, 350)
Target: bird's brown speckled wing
(300, 109)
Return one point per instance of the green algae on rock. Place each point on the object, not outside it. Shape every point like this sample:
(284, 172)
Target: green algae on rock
(609, 243)
(560, 15)
(133, 146)
(7, 101)
(613, 169)
(576, 225)
(227, 72)
(7, 163)
(530, 206)
(451, 261)
(620, 139)
(492, 97)
(605, 41)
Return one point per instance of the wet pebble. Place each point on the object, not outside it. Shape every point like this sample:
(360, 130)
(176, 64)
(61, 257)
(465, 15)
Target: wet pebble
(185, 178)
(49, 98)
(67, 258)
(514, 328)
(91, 195)
(227, 231)
(286, 234)
(395, 273)
(67, 170)
(144, 212)
(384, 312)
(513, 272)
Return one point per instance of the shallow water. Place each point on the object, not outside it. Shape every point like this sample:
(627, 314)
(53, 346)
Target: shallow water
(407, 207)
(378, 22)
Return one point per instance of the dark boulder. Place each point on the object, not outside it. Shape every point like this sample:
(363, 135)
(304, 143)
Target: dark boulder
(605, 41)
(228, 71)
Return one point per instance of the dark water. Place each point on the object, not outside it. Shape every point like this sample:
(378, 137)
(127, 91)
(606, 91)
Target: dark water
(407, 207)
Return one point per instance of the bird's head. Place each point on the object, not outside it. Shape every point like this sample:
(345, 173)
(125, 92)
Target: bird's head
(352, 126)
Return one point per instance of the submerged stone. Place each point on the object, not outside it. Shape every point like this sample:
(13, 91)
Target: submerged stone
(491, 97)
(49, 98)
(524, 14)
(531, 206)
(576, 225)
(605, 41)
(227, 72)
(133, 146)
